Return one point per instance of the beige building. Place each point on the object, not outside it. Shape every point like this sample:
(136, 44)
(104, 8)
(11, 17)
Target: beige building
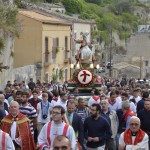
(45, 43)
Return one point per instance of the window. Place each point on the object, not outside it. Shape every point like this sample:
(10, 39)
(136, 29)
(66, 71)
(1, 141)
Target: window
(46, 43)
(146, 63)
(66, 74)
(75, 35)
(66, 43)
(57, 42)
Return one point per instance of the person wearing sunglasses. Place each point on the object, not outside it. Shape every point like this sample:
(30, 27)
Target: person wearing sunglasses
(133, 138)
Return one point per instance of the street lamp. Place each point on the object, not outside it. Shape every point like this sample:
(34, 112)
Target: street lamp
(91, 66)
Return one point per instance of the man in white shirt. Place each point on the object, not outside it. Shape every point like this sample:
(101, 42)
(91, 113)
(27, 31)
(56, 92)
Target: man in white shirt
(113, 104)
(133, 138)
(136, 96)
(95, 98)
(62, 101)
(43, 111)
(54, 128)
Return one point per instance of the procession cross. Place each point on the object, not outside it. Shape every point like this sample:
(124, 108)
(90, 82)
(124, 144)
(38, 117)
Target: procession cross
(85, 75)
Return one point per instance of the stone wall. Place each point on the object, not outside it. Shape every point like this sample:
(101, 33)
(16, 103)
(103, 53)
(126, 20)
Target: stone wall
(7, 59)
(24, 73)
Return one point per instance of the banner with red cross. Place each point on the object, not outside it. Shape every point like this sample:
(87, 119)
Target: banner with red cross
(84, 77)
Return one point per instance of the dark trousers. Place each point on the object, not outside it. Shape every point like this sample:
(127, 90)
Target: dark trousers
(110, 144)
(36, 136)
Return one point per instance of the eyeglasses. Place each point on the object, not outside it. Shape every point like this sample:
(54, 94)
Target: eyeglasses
(55, 113)
(134, 124)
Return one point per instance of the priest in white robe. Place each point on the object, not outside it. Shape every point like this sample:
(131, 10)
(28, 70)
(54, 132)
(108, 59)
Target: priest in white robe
(134, 138)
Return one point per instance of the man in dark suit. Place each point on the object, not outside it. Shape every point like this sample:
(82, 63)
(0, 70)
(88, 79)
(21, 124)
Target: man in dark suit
(75, 120)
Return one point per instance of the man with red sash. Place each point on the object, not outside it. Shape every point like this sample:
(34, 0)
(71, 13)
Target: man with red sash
(95, 98)
(133, 138)
(17, 125)
(54, 128)
(125, 118)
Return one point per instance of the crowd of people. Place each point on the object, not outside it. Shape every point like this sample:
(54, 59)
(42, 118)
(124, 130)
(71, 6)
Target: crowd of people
(46, 116)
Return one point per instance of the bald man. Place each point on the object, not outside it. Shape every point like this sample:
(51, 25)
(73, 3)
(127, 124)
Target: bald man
(61, 142)
(17, 125)
(133, 138)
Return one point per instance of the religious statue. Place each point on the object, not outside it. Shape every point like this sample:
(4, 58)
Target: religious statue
(84, 54)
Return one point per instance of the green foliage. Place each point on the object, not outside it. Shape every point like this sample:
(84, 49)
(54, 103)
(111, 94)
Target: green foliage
(9, 22)
(53, 1)
(101, 2)
(19, 3)
(122, 6)
(1, 45)
(61, 74)
(54, 77)
(73, 6)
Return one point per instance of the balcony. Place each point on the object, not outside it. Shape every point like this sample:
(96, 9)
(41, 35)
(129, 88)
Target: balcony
(66, 57)
(48, 59)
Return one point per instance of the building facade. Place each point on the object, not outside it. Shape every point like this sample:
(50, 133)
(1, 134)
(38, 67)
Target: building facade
(45, 43)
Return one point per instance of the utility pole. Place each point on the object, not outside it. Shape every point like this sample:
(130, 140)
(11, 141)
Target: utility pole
(140, 67)
(110, 69)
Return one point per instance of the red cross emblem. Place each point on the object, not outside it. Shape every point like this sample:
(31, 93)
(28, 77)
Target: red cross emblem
(84, 77)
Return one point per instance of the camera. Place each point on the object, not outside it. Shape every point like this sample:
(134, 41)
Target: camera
(44, 116)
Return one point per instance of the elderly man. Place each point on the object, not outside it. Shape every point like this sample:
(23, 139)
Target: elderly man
(17, 125)
(112, 118)
(133, 138)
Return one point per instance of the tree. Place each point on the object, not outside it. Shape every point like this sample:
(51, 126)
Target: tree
(73, 6)
(8, 25)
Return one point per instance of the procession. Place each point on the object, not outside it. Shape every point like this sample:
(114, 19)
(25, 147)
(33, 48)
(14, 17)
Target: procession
(74, 75)
(114, 115)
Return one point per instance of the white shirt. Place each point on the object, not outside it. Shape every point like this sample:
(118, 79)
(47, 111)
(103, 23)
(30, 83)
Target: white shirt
(13, 133)
(137, 99)
(61, 103)
(92, 101)
(8, 142)
(115, 106)
(140, 146)
(40, 118)
(56, 130)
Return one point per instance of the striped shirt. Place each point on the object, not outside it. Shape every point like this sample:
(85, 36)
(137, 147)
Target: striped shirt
(30, 112)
